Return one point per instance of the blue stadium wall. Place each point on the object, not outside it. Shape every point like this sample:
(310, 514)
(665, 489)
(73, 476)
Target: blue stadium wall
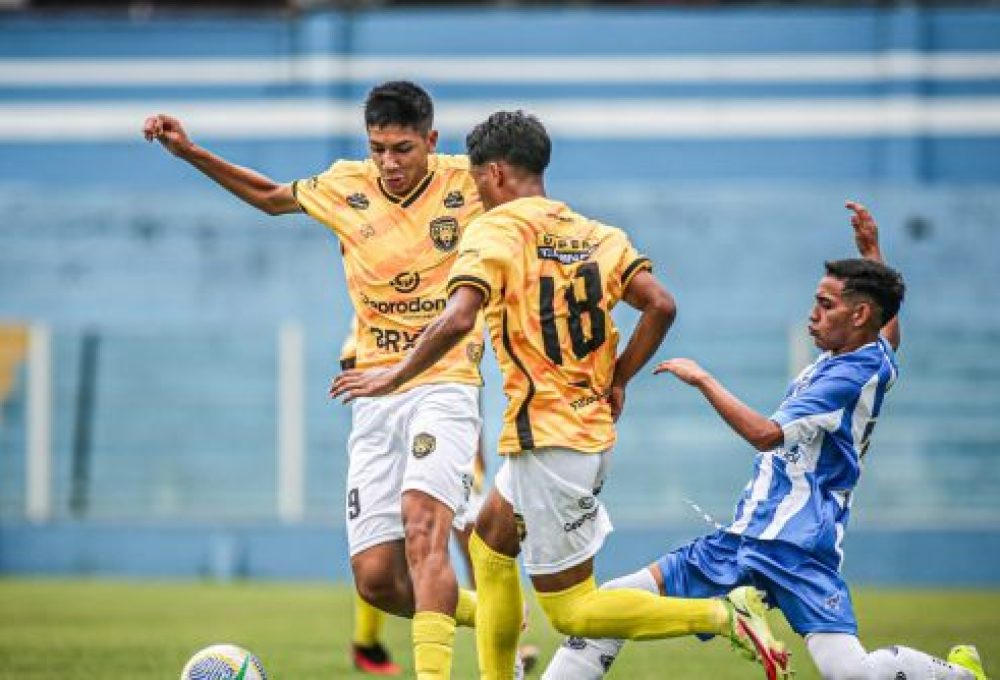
(724, 140)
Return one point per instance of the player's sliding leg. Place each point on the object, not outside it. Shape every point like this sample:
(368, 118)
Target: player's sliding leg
(368, 653)
(840, 656)
(493, 548)
(435, 587)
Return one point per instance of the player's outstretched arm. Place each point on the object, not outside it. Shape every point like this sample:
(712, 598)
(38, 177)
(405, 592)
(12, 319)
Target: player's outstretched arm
(259, 191)
(455, 322)
(762, 433)
(866, 238)
(658, 311)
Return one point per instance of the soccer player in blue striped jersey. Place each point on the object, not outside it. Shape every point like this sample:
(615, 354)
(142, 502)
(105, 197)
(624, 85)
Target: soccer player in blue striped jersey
(790, 521)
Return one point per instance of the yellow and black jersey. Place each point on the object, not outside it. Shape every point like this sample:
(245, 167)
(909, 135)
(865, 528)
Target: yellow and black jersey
(348, 350)
(551, 278)
(398, 251)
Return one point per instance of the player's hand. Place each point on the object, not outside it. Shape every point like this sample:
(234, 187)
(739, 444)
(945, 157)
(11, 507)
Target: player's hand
(686, 370)
(354, 383)
(169, 132)
(616, 398)
(865, 231)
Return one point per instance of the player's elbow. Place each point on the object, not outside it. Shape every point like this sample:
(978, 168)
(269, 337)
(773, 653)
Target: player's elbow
(664, 306)
(767, 437)
(462, 322)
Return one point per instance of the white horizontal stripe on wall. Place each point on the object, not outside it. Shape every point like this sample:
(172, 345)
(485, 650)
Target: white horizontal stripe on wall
(833, 67)
(594, 119)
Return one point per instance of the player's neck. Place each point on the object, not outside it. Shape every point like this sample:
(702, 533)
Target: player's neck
(527, 187)
(855, 342)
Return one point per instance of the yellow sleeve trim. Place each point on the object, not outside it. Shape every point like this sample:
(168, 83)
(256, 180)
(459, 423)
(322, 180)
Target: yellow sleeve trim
(638, 265)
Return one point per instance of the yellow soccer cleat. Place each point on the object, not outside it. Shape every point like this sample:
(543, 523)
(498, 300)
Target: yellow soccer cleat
(751, 635)
(967, 657)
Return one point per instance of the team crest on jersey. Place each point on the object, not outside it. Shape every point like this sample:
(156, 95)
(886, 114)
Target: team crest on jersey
(474, 350)
(519, 525)
(405, 282)
(424, 445)
(454, 199)
(444, 232)
(564, 250)
(358, 201)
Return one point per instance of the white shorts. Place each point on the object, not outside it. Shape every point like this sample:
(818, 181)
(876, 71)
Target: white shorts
(561, 522)
(423, 439)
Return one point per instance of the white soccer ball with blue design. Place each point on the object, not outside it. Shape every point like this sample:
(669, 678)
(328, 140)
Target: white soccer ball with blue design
(223, 662)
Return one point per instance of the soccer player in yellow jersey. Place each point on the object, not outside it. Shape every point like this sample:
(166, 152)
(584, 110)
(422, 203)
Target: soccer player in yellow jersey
(399, 216)
(548, 278)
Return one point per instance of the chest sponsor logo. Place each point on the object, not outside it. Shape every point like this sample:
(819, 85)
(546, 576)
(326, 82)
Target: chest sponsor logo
(424, 445)
(454, 199)
(418, 306)
(405, 282)
(444, 233)
(367, 231)
(358, 201)
(393, 340)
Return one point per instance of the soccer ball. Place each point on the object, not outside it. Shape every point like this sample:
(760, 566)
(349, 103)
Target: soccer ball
(223, 662)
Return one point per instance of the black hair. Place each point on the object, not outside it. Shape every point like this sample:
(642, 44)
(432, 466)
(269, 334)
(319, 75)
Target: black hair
(513, 136)
(399, 102)
(879, 283)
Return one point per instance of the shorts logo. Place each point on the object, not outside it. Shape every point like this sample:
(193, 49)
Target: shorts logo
(576, 643)
(454, 199)
(833, 602)
(581, 520)
(467, 486)
(444, 232)
(423, 445)
(522, 529)
(587, 502)
(474, 350)
(358, 201)
(405, 282)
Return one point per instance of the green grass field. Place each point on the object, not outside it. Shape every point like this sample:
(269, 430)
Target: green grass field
(99, 630)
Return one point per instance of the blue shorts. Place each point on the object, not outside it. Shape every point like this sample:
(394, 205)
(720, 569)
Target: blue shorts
(810, 593)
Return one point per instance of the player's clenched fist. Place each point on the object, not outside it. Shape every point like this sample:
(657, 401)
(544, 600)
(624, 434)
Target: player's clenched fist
(685, 369)
(168, 131)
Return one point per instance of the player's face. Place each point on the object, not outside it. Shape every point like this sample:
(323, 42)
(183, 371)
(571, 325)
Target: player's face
(400, 154)
(831, 322)
(487, 184)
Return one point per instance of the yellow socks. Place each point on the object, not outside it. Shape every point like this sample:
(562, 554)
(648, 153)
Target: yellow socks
(499, 610)
(367, 623)
(433, 642)
(465, 610)
(585, 611)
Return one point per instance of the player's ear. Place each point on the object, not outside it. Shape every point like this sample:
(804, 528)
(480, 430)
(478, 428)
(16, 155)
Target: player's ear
(862, 314)
(497, 174)
(432, 140)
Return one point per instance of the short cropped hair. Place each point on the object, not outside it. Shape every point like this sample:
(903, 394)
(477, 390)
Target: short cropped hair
(513, 136)
(399, 102)
(879, 283)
